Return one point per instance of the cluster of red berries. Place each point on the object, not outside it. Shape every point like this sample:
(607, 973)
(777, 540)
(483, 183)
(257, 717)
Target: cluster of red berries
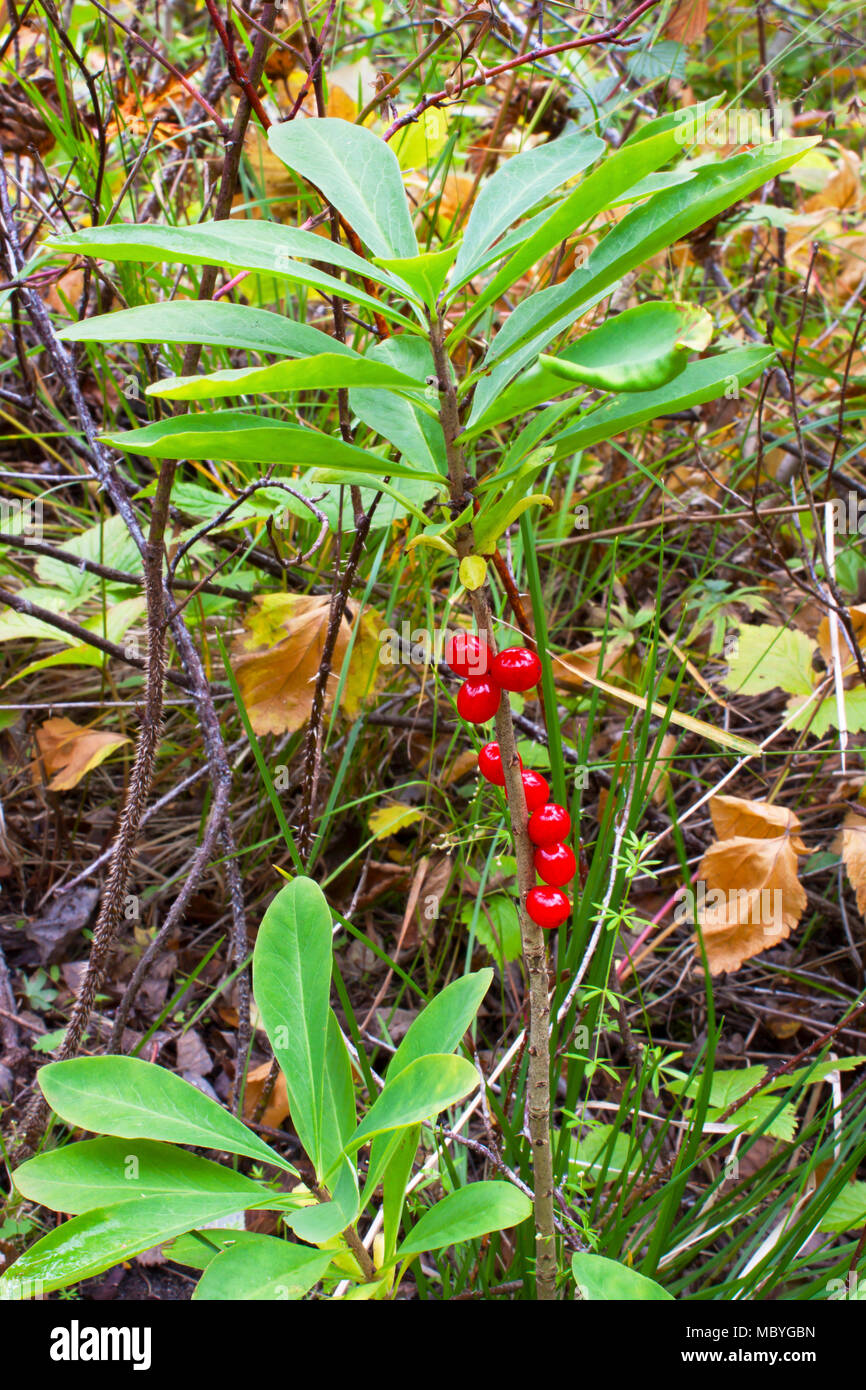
(486, 676)
(516, 669)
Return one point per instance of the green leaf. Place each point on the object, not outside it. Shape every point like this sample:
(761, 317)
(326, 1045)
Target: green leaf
(405, 424)
(230, 434)
(728, 1087)
(213, 323)
(760, 1113)
(107, 543)
(324, 371)
(847, 1212)
(425, 274)
(402, 1148)
(517, 186)
(497, 926)
(808, 1076)
(593, 1155)
(106, 1236)
(771, 658)
(292, 986)
(362, 480)
(466, 1214)
(616, 173)
(495, 516)
(684, 121)
(418, 1092)
(105, 1172)
(704, 380)
(657, 62)
(264, 247)
(357, 173)
(262, 1269)
(602, 1279)
(320, 1223)
(641, 349)
(725, 1086)
(439, 1028)
(197, 1252)
(826, 717)
(441, 1024)
(137, 1100)
(642, 233)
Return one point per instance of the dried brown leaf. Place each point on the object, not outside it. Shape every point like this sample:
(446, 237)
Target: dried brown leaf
(69, 751)
(753, 898)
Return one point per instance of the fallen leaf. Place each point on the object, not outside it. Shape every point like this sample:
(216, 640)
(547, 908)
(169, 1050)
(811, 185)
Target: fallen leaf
(752, 901)
(69, 751)
(277, 1108)
(62, 923)
(857, 614)
(192, 1055)
(392, 817)
(757, 820)
(771, 658)
(842, 190)
(276, 660)
(686, 21)
(576, 668)
(852, 845)
(465, 762)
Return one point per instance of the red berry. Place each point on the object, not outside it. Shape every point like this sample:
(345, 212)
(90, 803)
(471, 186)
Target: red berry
(490, 764)
(467, 655)
(516, 668)
(535, 789)
(478, 700)
(549, 824)
(556, 864)
(547, 907)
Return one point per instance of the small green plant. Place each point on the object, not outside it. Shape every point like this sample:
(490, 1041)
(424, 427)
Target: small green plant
(453, 425)
(134, 1188)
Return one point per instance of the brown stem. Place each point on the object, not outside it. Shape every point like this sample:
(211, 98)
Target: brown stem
(532, 937)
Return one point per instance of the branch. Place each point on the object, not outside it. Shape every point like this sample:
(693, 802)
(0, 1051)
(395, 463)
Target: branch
(535, 55)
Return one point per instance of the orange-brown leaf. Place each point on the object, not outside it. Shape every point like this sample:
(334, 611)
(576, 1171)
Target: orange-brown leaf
(853, 849)
(276, 660)
(69, 751)
(753, 898)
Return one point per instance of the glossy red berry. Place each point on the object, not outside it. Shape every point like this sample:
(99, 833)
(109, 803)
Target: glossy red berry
(548, 907)
(556, 864)
(490, 764)
(478, 700)
(549, 825)
(516, 668)
(467, 655)
(535, 789)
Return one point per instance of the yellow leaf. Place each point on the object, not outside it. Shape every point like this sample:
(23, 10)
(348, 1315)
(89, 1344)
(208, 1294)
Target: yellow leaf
(683, 721)
(473, 571)
(393, 816)
(70, 751)
(853, 848)
(857, 614)
(276, 660)
(364, 664)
